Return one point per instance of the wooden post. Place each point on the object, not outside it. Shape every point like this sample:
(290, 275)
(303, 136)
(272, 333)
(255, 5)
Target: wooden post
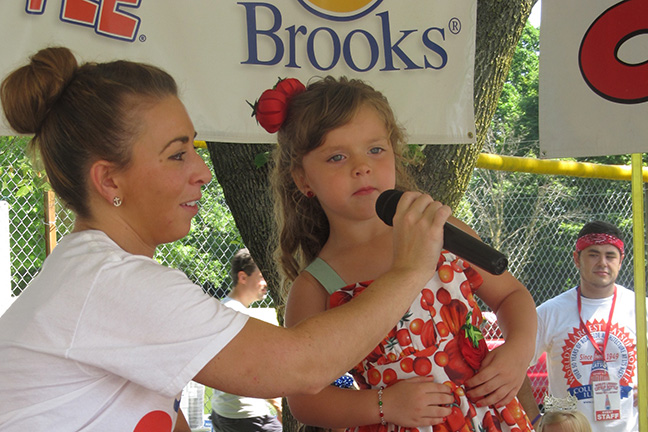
(50, 221)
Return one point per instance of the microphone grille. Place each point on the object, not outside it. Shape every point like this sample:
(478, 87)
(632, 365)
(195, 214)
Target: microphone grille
(386, 205)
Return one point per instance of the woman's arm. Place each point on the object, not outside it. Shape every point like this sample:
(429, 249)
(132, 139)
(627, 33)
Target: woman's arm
(268, 361)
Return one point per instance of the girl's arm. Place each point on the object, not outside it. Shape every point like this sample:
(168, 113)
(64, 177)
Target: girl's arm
(504, 369)
(266, 361)
(408, 403)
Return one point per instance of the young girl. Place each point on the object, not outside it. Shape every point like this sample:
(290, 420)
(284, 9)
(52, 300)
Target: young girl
(565, 421)
(339, 148)
(561, 415)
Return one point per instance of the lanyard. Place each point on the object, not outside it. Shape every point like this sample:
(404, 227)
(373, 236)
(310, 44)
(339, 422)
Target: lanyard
(607, 327)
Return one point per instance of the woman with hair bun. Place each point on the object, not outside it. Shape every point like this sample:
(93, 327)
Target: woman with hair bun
(105, 338)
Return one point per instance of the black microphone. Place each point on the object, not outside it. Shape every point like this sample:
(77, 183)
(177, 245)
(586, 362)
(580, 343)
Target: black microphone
(455, 240)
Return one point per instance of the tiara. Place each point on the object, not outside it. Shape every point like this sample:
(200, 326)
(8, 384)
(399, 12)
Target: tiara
(552, 403)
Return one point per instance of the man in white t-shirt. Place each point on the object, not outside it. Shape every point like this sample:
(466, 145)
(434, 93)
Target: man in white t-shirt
(589, 334)
(232, 413)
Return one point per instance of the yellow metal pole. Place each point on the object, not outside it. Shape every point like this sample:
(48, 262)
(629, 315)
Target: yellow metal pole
(640, 286)
(543, 166)
(556, 167)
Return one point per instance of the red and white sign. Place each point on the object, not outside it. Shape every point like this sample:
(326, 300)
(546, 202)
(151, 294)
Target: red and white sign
(223, 53)
(593, 77)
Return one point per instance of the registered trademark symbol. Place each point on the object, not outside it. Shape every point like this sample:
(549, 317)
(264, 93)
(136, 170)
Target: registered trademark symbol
(454, 26)
(142, 38)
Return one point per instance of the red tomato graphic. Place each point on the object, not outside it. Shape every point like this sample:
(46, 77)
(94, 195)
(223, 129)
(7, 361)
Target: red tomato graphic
(428, 334)
(466, 290)
(442, 329)
(422, 366)
(407, 364)
(416, 326)
(446, 274)
(373, 376)
(403, 337)
(339, 298)
(427, 298)
(290, 86)
(443, 296)
(508, 417)
(155, 421)
(456, 419)
(457, 369)
(441, 358)
(389, 376)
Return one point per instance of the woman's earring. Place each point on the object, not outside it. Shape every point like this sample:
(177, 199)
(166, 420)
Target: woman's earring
(117, 201)
(310, 194)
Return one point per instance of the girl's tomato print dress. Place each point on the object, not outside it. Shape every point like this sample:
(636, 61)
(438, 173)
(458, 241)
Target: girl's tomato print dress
(439, 336)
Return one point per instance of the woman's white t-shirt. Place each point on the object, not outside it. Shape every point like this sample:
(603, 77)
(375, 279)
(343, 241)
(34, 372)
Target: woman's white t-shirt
(103, 340)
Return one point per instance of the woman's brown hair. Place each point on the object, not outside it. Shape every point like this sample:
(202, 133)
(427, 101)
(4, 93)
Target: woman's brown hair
(80, 114)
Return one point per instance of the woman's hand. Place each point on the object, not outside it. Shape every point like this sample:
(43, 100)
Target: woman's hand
(418, 233)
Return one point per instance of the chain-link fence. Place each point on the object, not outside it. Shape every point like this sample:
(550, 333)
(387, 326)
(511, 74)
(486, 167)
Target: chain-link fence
(533, 219)
(203, 255)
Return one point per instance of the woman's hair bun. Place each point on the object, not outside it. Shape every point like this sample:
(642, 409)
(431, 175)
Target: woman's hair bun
(29, 92)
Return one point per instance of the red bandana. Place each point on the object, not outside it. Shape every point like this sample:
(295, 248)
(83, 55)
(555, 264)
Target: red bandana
(598, 239)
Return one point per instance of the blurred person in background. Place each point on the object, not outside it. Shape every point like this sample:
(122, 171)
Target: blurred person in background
(233, 413)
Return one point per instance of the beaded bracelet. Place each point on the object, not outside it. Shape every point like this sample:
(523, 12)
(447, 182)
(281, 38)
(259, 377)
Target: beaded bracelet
(380, 406)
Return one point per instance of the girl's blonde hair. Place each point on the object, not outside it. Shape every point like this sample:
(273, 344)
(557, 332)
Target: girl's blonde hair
(573, 421)
(327, 104)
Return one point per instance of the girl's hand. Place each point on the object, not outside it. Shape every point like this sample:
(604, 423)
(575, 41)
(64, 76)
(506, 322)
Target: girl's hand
(499, 379)
(417, 402)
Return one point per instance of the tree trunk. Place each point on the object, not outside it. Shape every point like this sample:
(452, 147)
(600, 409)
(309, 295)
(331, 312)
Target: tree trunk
(444, 174)
(248, 196)
(446, 171)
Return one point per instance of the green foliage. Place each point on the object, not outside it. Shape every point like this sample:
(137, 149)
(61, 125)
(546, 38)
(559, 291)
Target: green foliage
(261, 159)
(534, 219)
(514, 128)
(204, 254)
(23, 189)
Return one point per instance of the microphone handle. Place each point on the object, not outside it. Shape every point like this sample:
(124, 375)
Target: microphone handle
(454, 239)
(473, 250)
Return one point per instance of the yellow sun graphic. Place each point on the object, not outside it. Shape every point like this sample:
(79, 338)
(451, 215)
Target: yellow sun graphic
(340, 6)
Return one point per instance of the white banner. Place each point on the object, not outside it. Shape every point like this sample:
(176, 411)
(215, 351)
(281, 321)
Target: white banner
(593, 77)
(223, 53)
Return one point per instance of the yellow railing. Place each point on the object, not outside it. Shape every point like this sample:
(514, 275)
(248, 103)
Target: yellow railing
(544, 166)
(556, 167)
